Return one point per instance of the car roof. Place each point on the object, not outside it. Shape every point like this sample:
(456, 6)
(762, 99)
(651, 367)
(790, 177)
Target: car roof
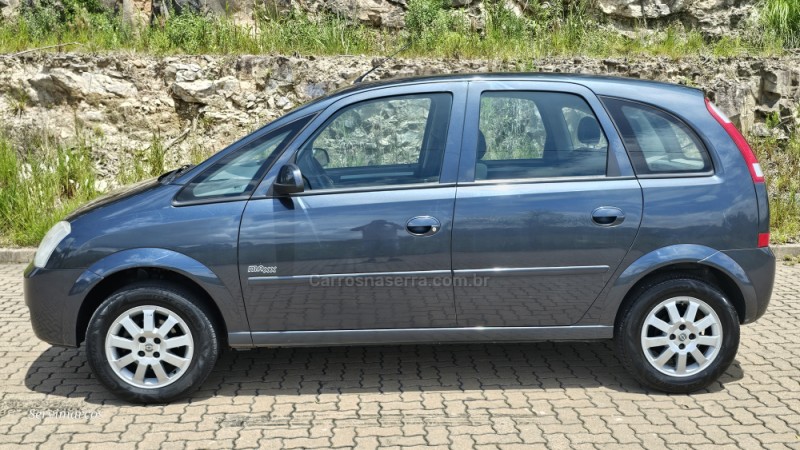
(601, 84)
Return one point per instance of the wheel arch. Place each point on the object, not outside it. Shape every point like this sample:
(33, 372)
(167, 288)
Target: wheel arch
(694, 260)
(698, 271)
(119, 269)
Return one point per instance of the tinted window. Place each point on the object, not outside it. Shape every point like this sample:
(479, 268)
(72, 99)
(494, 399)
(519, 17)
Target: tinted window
(238, 173)
(657, 142)
(538, 135)
(393, 140)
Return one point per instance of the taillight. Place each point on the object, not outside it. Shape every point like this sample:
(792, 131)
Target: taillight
(763, 240)
(741, 143)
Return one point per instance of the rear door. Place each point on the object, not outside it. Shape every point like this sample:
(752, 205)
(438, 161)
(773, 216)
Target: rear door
(367, 245)
(547, 205)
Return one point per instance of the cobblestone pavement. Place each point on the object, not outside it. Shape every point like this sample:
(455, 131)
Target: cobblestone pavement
(457, 396)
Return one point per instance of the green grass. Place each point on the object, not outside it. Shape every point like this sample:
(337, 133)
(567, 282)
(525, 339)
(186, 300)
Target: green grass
(41, 180)
(782, 18)
(780, 160)
(194, 34)
(432, 30)
(560, 30)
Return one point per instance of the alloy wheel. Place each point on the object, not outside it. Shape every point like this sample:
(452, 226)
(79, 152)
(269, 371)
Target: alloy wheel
(149, 346)
(681, 336)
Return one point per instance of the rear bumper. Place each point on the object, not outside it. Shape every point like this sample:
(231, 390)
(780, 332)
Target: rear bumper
(53, 310)
(759, 265)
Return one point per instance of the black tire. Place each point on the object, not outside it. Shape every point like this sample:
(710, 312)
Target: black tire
(628, 334)
(174, 298)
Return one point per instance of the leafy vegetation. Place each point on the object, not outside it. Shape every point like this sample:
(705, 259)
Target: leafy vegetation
(193, 34)
(780, 159)
(432, 29)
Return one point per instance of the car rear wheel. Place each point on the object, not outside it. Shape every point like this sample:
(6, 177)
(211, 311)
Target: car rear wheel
(151, 342)
(678, 335)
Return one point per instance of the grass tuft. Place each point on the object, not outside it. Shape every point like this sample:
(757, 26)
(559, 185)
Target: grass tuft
(782, 18)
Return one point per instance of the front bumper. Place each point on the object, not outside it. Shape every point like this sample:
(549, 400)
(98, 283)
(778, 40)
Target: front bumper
(53, 308)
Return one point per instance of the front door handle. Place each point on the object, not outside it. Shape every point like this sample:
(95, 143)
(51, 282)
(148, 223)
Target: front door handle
(607, 216)
(423, 226)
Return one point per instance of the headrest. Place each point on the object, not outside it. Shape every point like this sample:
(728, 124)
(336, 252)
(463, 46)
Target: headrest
(481, 145)
(589, 131)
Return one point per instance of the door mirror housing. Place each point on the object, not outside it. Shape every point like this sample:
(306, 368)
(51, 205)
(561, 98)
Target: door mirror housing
(290, 181)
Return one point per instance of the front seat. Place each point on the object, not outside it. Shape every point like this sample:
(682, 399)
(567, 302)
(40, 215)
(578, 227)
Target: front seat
(481, 169)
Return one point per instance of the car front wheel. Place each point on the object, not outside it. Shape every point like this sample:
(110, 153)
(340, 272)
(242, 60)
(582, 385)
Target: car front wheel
(151, 342)
(678, 335)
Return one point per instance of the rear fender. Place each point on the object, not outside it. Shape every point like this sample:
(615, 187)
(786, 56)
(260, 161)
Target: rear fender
(604, 310)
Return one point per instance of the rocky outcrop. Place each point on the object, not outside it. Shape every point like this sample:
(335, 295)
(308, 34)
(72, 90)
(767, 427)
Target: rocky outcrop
(710, 16)
(61, 85)
(211, 101)
(8, 8)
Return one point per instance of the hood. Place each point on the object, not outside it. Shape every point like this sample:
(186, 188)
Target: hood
(113, 197)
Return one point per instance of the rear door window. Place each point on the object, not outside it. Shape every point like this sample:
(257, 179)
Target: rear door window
(529, 134)
(658, 142)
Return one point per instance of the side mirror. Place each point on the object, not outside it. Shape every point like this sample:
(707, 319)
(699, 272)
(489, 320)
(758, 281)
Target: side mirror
(290, 181)
(322, 157)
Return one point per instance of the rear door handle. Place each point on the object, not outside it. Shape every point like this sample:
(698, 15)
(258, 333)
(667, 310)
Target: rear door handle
(607, 216)
(423, 226)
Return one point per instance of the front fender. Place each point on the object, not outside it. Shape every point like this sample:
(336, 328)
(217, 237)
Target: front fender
(604, 310)
(227, 298)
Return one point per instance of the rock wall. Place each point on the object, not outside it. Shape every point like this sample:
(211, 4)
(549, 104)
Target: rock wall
(207, 102)
(715, 17)
(8, 8)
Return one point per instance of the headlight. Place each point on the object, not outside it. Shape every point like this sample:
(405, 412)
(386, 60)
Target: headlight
(50, 242)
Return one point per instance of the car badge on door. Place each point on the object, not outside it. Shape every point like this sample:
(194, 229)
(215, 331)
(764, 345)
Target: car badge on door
(262, 269)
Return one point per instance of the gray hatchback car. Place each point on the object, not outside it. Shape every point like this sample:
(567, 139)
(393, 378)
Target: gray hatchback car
(469, 208)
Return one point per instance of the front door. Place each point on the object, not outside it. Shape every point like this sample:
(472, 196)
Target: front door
(546, 207)
(367, 244)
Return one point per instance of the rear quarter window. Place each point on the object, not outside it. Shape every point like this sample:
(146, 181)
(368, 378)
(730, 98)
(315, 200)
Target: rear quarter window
(657, 142)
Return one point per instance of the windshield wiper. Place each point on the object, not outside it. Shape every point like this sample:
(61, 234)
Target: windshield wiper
(171, 175)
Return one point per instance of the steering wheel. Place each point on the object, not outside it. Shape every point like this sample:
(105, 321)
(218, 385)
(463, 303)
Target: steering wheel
(313, 172)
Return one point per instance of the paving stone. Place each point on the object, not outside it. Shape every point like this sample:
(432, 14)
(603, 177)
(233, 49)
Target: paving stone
(506, 396)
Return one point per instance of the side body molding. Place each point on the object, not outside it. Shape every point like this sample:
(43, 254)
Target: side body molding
(227, 298)
(605, 309)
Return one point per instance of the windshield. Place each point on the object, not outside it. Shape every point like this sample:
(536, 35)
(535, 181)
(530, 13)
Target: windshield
(238, 174)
